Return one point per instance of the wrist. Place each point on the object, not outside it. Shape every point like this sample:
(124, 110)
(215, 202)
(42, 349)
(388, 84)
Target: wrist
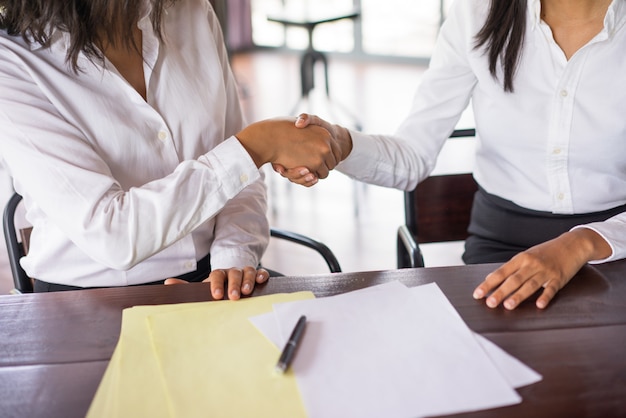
(345, 143)
(591, 245)
(248, 137)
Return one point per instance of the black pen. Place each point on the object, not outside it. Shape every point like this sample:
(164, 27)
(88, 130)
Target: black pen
(292, 344)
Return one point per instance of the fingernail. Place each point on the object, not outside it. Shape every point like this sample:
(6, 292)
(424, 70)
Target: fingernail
(259, 277)
(491, 302)
(246, 287)
(217, 293)
(541, 304)
(304, 172)
(309, 178)
(234, 293)
(478, 294)
(509, 304)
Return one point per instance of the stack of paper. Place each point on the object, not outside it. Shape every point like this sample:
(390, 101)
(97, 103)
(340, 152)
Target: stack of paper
(197, 360)
(383, 351)
(390, 351)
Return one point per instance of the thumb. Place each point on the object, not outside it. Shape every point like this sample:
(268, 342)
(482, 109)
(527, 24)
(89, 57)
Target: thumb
(280, 169)
(175, 281)
(303, 120)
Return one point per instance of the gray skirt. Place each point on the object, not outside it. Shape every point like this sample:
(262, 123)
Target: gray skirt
(499, 228)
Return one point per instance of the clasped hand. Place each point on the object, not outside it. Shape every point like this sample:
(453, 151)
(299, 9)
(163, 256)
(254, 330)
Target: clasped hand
(303, 174)
(280, 142)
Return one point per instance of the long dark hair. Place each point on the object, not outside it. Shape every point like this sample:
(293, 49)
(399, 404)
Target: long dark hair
(502, 35)
(90, 23)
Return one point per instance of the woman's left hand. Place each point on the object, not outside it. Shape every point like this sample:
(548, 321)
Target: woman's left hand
(550, 265)
(240, 281)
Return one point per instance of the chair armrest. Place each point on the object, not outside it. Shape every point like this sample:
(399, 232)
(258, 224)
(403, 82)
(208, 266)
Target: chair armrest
(321, 248)
(409, 254)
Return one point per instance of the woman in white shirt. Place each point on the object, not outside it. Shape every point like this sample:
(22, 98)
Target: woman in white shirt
(122, 130)
(548, 91)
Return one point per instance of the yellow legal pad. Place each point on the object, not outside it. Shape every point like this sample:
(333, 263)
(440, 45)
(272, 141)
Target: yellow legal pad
(197, 360)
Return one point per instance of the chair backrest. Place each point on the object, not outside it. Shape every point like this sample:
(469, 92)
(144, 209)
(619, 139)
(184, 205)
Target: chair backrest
(437, 210)
(16, 249)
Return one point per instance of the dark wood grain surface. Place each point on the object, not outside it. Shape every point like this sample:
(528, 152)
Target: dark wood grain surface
(54, 348)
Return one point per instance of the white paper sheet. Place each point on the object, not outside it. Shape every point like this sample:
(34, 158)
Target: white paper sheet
(387, 351)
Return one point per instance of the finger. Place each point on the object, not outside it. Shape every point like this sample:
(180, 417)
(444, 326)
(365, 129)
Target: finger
(322, 171)
(510, 285)
(248, 281)
(175, 281)
(492, 280)
(311, 183)
(299, 172)
(336, 150)
(235, 277)
(316, 120)
(551, 289)
(262, 276)
(217, 278)
(303, 182)
(294, 174)
(279, 169)
(527, 289)
(302, 120)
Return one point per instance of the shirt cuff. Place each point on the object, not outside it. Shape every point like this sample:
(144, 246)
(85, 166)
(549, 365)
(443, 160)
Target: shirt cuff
(598, 227)
(229, 258)
(233, 166)
(360, 161)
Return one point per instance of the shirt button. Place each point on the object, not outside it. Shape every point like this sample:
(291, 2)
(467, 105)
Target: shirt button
(243, 178)
(564, 93)
(162, 135)
(190, 264)
(556, 151)
(560, 196)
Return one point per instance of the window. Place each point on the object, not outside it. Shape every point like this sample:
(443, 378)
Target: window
(337, 37)
(392, 28)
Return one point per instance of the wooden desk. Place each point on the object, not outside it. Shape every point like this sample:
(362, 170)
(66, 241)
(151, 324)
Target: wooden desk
(54, 348)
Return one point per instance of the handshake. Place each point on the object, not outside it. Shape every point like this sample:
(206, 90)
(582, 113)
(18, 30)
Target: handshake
(302, 150)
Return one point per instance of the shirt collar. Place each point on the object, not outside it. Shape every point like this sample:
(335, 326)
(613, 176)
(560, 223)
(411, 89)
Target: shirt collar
(615, 15)
(144, 14)
(534, 9)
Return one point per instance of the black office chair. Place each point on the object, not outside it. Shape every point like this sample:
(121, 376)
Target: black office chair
(18, 248)
(437, 210)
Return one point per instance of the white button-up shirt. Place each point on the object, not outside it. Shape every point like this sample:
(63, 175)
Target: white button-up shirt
(120, 190)
(557, 144)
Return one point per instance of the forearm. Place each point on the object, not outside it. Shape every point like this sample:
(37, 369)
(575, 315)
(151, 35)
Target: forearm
(241, 229)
